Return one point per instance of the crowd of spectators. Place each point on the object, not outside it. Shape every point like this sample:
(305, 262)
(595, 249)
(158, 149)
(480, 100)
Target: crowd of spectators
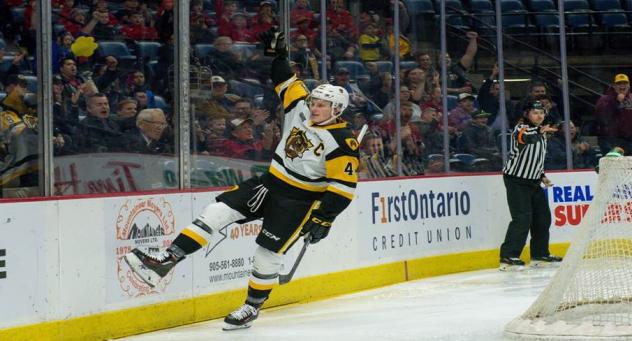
(118, 98)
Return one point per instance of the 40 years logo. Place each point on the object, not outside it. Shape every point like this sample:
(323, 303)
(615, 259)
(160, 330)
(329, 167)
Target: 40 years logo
(147, 223)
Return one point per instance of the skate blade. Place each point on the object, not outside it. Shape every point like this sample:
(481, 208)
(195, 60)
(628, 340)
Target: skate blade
(511, 268)
(542, 265)
(137, 266)
(228, 327)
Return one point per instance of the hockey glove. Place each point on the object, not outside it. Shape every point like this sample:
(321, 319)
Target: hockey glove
(317, 226)
(273, 43)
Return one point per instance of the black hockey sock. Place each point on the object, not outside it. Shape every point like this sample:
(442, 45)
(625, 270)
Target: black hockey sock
(186, 244)
(256, 297)
(189, 240)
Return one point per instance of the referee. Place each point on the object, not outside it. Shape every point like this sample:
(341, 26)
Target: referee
(523, 173)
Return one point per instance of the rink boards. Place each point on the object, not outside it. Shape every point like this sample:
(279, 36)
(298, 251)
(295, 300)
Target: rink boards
(62, 276)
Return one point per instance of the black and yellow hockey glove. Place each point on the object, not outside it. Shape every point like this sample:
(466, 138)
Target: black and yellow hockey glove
(273, 42)
(317, 227)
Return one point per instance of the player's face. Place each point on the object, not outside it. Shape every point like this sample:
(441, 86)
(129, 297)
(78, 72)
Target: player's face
(320, 110)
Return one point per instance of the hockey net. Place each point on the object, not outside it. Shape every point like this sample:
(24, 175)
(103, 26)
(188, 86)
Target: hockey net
(590, 296)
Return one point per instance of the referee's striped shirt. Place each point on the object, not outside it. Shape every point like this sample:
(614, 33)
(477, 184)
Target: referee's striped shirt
(526, 157)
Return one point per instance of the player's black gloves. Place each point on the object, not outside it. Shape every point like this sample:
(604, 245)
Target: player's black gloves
(317, 227)
(273, 42)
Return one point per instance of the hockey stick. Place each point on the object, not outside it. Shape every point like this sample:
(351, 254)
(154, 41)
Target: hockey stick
(286, 278)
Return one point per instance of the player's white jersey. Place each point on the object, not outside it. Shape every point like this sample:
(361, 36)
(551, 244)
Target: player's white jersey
(309, 157)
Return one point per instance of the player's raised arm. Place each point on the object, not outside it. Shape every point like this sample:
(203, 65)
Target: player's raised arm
(290, 89)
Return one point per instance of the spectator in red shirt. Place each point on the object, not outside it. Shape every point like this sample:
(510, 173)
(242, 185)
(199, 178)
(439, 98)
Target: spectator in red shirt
(77, 22)
(242, 144)
(301, 11)
(340, 19)
(137, 29)
(304, 29)
(240, 31)
(265, 18)
(224, 10)
(66, 7)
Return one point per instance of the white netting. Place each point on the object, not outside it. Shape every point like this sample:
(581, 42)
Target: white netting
(590, 297)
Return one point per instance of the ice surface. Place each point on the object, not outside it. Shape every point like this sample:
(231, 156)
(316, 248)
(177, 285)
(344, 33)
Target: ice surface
(466, 306)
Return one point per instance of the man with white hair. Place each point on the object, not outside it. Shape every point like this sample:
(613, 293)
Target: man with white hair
(311, 180)
(147, 138)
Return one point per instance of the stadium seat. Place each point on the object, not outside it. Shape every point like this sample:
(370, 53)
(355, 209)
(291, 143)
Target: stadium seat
(148, 50)
(484, 20)
(311, 83)
(356, 69)
(31, 83)
(117, 49)
(452, 102)
(542, 5)
(515, 17)
(467, 159)
(202, 50)
(243, 89)
(416, 7)
(162, 104)
(384, 66)
(17, 15)
(407, 64)
(245, 50)
(606, 5)
(422, 15)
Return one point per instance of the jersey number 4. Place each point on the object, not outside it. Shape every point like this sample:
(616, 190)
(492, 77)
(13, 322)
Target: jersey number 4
(349, 169)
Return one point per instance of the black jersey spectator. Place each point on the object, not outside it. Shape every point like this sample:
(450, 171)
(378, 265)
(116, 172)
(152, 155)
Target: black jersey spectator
(98, 133)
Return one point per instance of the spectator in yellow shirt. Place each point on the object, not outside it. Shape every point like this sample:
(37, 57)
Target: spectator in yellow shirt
(370, 44)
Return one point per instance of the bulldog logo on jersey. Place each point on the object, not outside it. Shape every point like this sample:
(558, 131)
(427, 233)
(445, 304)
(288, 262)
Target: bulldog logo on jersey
(297, 143)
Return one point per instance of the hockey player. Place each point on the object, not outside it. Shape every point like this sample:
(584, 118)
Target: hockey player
(310, 181)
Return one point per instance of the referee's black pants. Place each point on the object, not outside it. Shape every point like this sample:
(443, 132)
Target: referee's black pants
(530, 211)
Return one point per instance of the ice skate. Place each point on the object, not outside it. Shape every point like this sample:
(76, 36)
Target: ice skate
(241, 318)
(511, 264)
(151, 268)
(546, 261)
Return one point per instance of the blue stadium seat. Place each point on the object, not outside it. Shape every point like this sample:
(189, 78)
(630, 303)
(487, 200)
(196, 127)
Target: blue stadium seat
(115, 48)
(243, 89)
(17, 15)
(420, 7)
(31, 83)
(245, 50)
(627, 5)
(542, 5)
(148, 50)
(478, 6)
(452, 102)
(573, 5)
(511, 5)
(515, 16)
(162, 104)
(311, 83)
(485, 19)
(548, 22)
(384, 66)
(467, 159)
(407, 64)
(606, 5)
(613, 20)
(356, 69)
(202, 50)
